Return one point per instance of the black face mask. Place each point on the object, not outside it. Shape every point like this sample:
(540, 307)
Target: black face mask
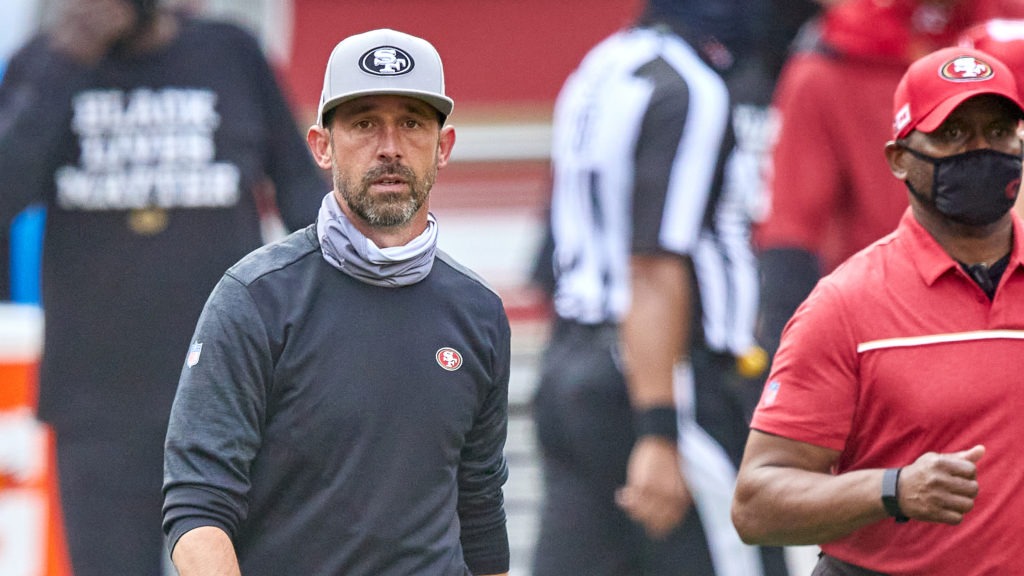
(974, 188)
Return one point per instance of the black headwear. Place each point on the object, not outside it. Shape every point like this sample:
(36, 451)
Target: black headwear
(735, 23)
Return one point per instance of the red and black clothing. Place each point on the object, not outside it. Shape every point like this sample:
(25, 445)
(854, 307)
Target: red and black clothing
(897, 353)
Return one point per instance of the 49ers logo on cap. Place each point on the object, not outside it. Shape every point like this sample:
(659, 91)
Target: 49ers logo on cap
(965, 69)
(386, 61)
(449, 359)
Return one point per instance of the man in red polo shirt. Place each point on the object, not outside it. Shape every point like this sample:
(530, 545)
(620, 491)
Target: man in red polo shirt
(889, 427)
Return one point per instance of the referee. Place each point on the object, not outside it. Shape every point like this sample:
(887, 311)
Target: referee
(638, 411)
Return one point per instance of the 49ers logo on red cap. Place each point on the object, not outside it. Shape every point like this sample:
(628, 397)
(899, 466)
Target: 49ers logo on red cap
(965, 69)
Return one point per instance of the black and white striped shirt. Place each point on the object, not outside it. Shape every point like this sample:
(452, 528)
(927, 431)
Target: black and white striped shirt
(641, 148)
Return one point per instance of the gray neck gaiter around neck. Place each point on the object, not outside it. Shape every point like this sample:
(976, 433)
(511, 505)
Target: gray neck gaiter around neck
(345, 248)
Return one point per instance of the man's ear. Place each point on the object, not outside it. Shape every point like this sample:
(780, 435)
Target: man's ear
(445, 143)
(319, 141)
(896, 156)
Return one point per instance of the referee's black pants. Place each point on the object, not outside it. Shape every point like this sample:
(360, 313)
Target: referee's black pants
(584, 429)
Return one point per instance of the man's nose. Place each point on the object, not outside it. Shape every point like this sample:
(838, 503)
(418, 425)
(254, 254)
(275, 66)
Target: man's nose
(389, 142)
(977, 140)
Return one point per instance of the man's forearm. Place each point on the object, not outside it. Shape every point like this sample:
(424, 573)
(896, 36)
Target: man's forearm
(786, 494)
(654, 334)
(656, 328)
(205, 551)
(797, 507)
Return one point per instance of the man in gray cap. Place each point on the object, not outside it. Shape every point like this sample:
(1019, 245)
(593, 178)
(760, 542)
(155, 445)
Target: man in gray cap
(343, 405)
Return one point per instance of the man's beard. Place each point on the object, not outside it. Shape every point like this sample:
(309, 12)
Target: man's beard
(390, 209)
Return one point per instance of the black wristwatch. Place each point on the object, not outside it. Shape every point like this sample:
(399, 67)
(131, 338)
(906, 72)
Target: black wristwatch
(890, 487)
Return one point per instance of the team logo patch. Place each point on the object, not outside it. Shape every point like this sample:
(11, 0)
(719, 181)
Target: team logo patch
(966, 69)
(902, 117)
(1012, 189)
(449, 359)
(771, 392)
(387, 61)
(193, 354)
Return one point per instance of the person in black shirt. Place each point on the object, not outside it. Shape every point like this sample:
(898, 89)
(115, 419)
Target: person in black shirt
(147, 135)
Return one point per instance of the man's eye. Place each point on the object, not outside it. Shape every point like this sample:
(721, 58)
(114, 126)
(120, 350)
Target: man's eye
(1004, 130)
(951, 133)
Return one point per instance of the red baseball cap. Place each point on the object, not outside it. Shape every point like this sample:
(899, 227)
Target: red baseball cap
(934, 85)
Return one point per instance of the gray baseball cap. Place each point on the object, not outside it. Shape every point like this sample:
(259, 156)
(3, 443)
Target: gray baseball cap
(384, 62)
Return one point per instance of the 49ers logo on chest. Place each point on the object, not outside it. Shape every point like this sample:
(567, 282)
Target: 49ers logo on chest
(449, 359)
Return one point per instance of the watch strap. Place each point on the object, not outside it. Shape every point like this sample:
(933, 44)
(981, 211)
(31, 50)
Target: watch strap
(660, 421)
(890, 497)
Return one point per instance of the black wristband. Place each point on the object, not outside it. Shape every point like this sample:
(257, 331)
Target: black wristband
(657, 421)
(890, 494)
